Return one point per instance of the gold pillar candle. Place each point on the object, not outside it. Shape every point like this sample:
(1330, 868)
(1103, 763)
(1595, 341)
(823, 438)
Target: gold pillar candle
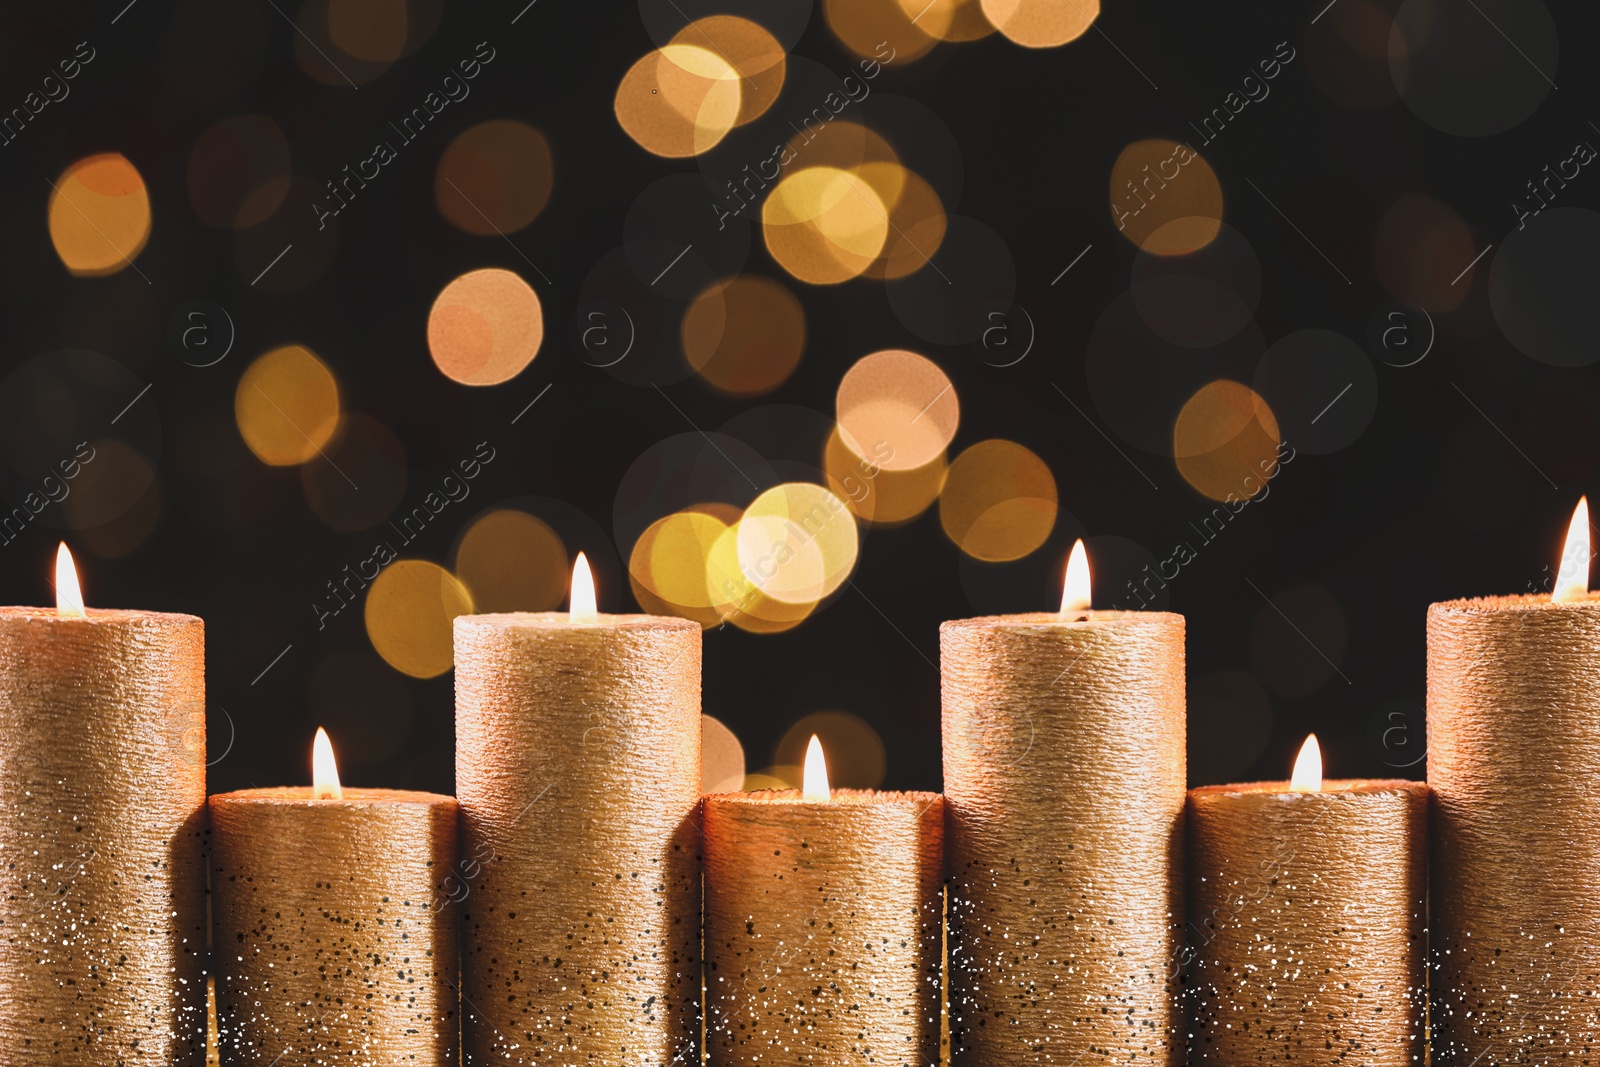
(102, 868)
(1307, 929)
(823, 916)
(1514, 762)
(578, 772)
(1064, 772)
(335, 937)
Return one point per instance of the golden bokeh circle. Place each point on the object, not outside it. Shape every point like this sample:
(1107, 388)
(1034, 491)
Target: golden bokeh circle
(744, 335)
(798, 543)
(917, 221)
(1225, 441)
(668, 566)
(897, 409)
(949, 20)
(99, 215)
(998, 502)
(721, 757)
(1042, 23)
(824, 225)
(878, 496)
(878, 30)
(1165, 197)
(485, 327)
(736, 596)
(494, 178)
(510, 560)
(410, 609)
(679, 101)
(750, 50)
(287, 406)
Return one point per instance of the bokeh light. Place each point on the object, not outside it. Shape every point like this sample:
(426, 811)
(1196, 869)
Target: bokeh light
(824, 225)
(750, 50)
(1165, 198)
(494, 178)
(875, 494)
(373, 30)
(485, 327)
(1226, 441)
(1042, 23)
(287, 406)
(721, 757)
(238, 171)
(998, 502)
(510, 560)
(916, 220)
(736, 596)
(679, 101)
(878, 30)
(854, 751)
(897, 409)
(363, 478)
(410, 609)
(669, 564)
(99, 215)
(744, 335)
(949, 20)
(798, 542)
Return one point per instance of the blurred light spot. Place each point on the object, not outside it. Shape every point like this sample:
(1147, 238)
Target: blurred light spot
(744, 335)
(949, 20)
(882, 31)
(843, 145)
(373, 30)
(359, 478)
(1225, 441)
(1422, 251)
(784, 777)
(668, 565)
(797, 543)
(410, 608)
(1165, 198)
(238, 171)
(736, 596)
(485, 327)
(750, 50)
(855, 752)
(1297, 641)
(1042, 23)
(287, 406)
(115, 502)
(916, 220)
(998, 502)
(1230, 723)
(368, 710)
(876, 495)
(510, 560)
(721, 758)
(897, 409)
(679, 101)
(824, 225)
(99, 215)
(494, 178)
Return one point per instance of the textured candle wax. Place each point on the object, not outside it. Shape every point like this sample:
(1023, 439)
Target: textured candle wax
(822, 928)
(1064, 774)
(102, 870)
(1514, 762)
(578, 771)
(1307, 923)
(335, 933)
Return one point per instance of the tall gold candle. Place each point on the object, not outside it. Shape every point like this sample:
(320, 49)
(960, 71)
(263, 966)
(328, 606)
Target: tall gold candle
(1064, 770)
(1308, 920)
(822, 925)
(1514, 762)
(335, 935)
(102, 870)
(578, 772)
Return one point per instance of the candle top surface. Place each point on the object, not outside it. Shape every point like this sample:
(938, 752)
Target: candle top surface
(1489, 605)
(839, 798)
(1330, 787)
(560, 620)
(26, 614)
(1050, 620)
(302, 796)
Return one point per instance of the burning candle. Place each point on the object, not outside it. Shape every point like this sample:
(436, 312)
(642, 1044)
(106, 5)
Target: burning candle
(1514, 762)
(578, 770)
(335, 940)
(1307, 903)
(102, 869)
(1064, 767)
(822, 924)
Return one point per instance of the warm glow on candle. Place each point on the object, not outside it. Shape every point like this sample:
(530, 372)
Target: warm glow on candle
(1572, 580)
(1307, 776)
(69, 596)
(816, 779)
(324, 772)
(1075, 589)
(581, 604)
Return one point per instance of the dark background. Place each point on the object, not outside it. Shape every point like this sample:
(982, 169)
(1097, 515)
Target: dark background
(1462, 484)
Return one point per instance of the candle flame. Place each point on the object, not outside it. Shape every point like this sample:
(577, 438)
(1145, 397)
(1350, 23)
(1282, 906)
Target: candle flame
(1307, 776)
(581, 603)
(1075, 588)
(816, 779)
(1572, 580)
(69, 595)
(324, 771)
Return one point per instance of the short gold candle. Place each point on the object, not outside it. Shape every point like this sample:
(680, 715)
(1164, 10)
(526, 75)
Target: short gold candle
(1307, 930)
(822, 928)
(1064, 769)
(102, 868)
(578, 771)
(335, 938)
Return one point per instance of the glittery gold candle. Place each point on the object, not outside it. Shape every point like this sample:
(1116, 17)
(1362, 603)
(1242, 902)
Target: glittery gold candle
(822, 926)
(1514, 762)
(102, 869)
(1307, 921)
(1064, 767)
(335, 935)
(578, 771)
